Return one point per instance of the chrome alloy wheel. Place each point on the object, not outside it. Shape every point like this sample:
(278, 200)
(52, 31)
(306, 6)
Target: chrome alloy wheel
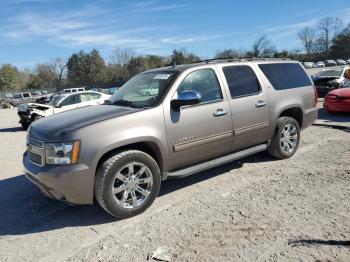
(289, 138)
(132, 185)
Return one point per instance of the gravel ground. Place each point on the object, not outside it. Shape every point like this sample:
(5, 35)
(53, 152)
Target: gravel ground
(255, 209)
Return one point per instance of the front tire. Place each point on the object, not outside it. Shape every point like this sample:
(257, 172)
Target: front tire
(127, 183)
(286, 139)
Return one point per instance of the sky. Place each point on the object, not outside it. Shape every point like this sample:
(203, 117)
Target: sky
(34, 31)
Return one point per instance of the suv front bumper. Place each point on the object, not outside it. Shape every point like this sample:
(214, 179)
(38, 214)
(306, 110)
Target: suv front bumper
(69, 183)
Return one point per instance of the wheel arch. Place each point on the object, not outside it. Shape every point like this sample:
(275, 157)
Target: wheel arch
(149, 147)
(295, 112)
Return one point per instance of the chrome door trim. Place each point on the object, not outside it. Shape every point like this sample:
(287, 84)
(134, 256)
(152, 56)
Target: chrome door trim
(251, 128)
(201, 141)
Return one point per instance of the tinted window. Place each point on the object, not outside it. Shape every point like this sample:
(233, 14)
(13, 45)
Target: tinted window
(25, 95)
(285, 76)
(241, 80)
(17, 96)
(70, 100)
(203, 81)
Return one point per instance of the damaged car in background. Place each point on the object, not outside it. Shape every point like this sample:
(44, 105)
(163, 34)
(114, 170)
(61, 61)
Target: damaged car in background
(31, 112)
(328, 79)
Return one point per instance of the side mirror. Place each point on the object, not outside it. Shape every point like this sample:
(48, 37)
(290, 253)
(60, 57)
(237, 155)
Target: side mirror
(58, 105)
(186, 98)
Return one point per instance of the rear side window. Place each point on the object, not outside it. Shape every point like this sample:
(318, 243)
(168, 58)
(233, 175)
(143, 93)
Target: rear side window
(25, 95)
(89, 96)
(71, 100)
(241, 81)
(285, 75)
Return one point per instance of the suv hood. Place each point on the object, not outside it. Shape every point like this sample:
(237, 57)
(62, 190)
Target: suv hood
(56, 126)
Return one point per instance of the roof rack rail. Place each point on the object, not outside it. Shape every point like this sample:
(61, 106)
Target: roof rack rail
(243, 59)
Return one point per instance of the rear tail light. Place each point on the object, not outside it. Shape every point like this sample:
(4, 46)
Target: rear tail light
(315, 96)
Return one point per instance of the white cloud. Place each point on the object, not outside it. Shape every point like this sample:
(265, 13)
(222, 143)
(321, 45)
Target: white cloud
(74, 28)
(154, 6)
(184, 40)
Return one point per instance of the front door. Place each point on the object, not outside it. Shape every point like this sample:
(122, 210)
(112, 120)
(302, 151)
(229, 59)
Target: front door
(203, 131)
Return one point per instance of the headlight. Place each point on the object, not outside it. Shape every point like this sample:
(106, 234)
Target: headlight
(62, 153)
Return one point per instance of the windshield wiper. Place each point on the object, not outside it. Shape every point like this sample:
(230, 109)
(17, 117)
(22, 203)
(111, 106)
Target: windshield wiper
(126, 103)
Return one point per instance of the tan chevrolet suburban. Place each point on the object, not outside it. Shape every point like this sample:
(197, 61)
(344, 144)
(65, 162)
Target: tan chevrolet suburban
(202, 115)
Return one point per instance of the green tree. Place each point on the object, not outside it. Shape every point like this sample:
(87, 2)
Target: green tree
(229, 53)
(97, 67)
(179, 57)
(9, 78)
(136, 65)
(86, 68)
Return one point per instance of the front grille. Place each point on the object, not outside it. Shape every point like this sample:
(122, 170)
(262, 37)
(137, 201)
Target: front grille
(35, 158)
(35, 142)
(36, 151)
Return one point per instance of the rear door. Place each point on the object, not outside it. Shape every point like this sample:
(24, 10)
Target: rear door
(249, 105)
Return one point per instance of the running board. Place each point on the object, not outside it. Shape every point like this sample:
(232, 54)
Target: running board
(213, 163)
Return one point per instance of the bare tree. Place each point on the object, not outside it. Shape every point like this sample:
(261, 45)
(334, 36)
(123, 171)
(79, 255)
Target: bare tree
(307, 37)
(122, 56)
(337, 27)
(58, 66)
(120, 59)
(329, 27)
(262, 47)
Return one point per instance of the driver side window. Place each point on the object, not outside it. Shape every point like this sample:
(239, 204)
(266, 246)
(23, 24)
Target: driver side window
(205, 82)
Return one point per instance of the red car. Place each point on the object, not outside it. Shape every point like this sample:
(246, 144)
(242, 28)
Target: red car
(337, 100)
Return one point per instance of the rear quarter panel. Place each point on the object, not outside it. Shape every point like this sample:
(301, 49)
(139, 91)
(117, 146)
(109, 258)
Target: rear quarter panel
(281, 100)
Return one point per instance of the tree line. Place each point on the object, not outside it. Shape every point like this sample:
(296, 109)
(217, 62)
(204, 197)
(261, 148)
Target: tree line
(329, 39)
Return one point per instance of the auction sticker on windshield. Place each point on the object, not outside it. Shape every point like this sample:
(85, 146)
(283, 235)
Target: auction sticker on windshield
(162, 76)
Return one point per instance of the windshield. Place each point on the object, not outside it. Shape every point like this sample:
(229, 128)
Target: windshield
(144, 90)
(55, 99)
(335, 73)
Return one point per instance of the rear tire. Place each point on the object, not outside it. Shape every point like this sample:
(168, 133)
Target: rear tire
(286, 139)
(127, 183)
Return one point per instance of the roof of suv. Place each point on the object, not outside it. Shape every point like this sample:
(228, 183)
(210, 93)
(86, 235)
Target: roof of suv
(180, 68)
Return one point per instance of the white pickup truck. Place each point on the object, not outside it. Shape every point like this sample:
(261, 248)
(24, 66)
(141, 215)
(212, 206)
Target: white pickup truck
(30, 112)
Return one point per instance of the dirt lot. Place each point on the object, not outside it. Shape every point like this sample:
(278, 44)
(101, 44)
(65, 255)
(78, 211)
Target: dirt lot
(256, 209)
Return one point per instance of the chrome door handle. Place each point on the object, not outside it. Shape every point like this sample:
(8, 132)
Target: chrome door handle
(220, 112)
(261, 103)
